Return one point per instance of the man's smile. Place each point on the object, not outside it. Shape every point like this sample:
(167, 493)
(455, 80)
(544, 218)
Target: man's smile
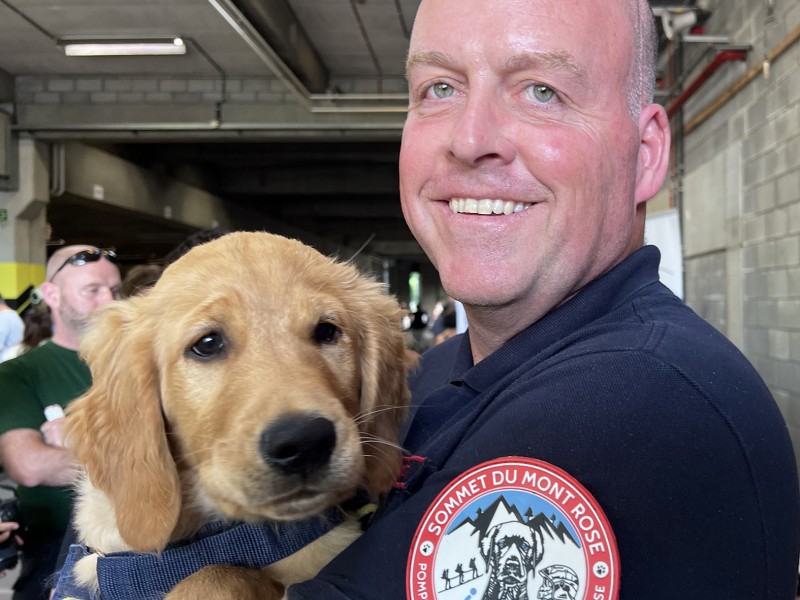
(486, 206)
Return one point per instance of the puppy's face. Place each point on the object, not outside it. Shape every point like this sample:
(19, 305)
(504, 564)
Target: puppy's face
(261, 389)
(276, 371)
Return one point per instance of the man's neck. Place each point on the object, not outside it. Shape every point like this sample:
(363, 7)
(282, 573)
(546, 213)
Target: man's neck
(65, 340)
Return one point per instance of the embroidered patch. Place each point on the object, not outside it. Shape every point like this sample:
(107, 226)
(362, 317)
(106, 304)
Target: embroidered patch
(513, 528)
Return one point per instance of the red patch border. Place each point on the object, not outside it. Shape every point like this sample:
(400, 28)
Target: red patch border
(609, 583)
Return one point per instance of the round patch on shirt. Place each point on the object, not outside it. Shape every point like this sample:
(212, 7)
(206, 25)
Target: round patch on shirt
(510, 529)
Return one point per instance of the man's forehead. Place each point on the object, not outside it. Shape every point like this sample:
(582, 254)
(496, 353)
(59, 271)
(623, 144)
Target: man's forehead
(59, 256)
(542, 30)
(101, 272)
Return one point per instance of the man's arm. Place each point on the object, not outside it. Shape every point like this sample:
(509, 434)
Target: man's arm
(31, 462)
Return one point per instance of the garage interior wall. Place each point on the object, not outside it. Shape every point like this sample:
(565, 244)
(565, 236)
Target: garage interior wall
(739, 190)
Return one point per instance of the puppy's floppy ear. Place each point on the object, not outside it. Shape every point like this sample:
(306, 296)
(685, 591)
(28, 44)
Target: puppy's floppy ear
(385, 363)
(117, 428)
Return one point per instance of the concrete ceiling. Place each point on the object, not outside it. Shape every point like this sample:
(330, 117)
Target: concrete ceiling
(338, 187)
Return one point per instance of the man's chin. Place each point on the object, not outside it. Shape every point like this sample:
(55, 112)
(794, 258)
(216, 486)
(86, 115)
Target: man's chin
(480, 294)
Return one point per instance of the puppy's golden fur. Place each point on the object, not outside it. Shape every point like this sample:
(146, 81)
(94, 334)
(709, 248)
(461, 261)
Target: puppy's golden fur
(189, 381)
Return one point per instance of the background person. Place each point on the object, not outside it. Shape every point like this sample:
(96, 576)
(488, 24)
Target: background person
(78, 280)
(7, 529)
(195, 239)
(38, 328)
(11, 327)
(139, 278)
(530, 149)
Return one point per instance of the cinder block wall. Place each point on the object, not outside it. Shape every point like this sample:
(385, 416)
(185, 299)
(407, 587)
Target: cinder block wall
(741, 197)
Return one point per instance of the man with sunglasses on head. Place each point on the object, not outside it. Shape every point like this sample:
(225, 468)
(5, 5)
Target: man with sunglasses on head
(78, 279)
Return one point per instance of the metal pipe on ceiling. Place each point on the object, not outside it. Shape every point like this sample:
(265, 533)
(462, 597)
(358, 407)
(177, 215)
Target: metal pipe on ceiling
(201, 130)
(720, 59)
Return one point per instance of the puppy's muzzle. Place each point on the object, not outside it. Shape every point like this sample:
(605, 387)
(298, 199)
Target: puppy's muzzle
(298, 444)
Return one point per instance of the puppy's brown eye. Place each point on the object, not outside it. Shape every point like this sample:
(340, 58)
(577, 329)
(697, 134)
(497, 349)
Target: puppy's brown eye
(209, 346)
(326, 333)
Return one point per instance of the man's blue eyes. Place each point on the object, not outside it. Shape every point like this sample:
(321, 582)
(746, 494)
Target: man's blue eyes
(442, 90)
(538, 92)
(542, 93)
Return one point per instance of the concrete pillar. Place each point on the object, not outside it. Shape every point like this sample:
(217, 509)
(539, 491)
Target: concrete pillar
(23, 234)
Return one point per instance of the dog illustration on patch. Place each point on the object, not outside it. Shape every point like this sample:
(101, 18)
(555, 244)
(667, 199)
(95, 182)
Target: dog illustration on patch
(511, 551)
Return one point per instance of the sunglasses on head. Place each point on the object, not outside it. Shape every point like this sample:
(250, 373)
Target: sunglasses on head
(85, 256)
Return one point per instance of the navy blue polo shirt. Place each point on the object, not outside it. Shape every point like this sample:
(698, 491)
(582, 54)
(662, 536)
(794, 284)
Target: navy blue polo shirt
(655, 413)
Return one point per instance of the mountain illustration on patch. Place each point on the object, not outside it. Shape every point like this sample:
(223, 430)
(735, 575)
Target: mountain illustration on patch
(464, 569)
(479, 522)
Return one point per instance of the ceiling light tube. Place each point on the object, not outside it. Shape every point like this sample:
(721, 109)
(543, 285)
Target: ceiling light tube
(159, 47)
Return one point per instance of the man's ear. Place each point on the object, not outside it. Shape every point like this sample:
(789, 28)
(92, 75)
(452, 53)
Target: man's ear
(51, 294)
(653, 159)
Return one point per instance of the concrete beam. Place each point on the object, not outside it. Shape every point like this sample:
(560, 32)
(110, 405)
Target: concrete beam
(94, 174)
(277, 23)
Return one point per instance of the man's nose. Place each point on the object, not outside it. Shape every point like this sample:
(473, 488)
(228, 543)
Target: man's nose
(481, 133)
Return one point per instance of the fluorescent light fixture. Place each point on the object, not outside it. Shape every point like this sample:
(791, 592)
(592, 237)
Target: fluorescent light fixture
(153, 47)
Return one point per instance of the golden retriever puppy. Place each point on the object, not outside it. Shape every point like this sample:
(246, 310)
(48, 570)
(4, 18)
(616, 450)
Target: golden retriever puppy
(257, 381)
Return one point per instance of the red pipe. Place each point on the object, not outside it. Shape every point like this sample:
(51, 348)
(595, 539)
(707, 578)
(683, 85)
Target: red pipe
(721, 58)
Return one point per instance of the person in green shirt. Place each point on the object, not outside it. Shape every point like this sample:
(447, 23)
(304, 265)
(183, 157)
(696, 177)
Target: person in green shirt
(78, 279)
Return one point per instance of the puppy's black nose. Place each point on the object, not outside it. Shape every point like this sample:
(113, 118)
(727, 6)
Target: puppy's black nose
(298, 444)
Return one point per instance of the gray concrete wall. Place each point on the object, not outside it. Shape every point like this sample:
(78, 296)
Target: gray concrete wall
(741, 198)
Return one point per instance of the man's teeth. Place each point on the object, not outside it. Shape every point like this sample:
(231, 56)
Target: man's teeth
(486, 206)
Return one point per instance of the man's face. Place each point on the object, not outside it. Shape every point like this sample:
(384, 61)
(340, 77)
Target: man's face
(82, 289)
(520, 110)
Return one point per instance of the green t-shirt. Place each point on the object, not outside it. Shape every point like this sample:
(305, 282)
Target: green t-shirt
(48, 374)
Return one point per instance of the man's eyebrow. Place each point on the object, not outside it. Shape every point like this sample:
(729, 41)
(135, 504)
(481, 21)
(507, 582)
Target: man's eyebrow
(432, 58)
(555, 60)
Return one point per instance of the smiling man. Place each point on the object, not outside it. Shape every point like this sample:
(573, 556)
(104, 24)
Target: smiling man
(585, 402)
(526, 158)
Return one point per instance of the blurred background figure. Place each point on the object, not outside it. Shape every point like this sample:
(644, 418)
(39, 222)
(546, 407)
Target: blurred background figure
(421, 336)
(444, 327)
(38, 325)
(11, 327)
(139, 279)
(197, 238)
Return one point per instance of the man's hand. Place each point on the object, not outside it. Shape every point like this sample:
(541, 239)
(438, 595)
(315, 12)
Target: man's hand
(53, 432)
(6, 528)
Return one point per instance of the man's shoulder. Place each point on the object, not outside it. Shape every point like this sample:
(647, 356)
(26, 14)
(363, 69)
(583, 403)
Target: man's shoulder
(35, 359)
(437, 363)
(33, 355)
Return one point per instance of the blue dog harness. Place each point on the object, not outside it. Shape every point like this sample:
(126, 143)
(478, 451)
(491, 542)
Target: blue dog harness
(141, 576)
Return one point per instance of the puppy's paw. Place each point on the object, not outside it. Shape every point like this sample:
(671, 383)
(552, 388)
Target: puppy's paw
(225, 582)
(85, 573)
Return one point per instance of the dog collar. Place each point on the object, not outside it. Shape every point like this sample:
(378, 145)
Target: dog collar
(127, 575)
(360, 507)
